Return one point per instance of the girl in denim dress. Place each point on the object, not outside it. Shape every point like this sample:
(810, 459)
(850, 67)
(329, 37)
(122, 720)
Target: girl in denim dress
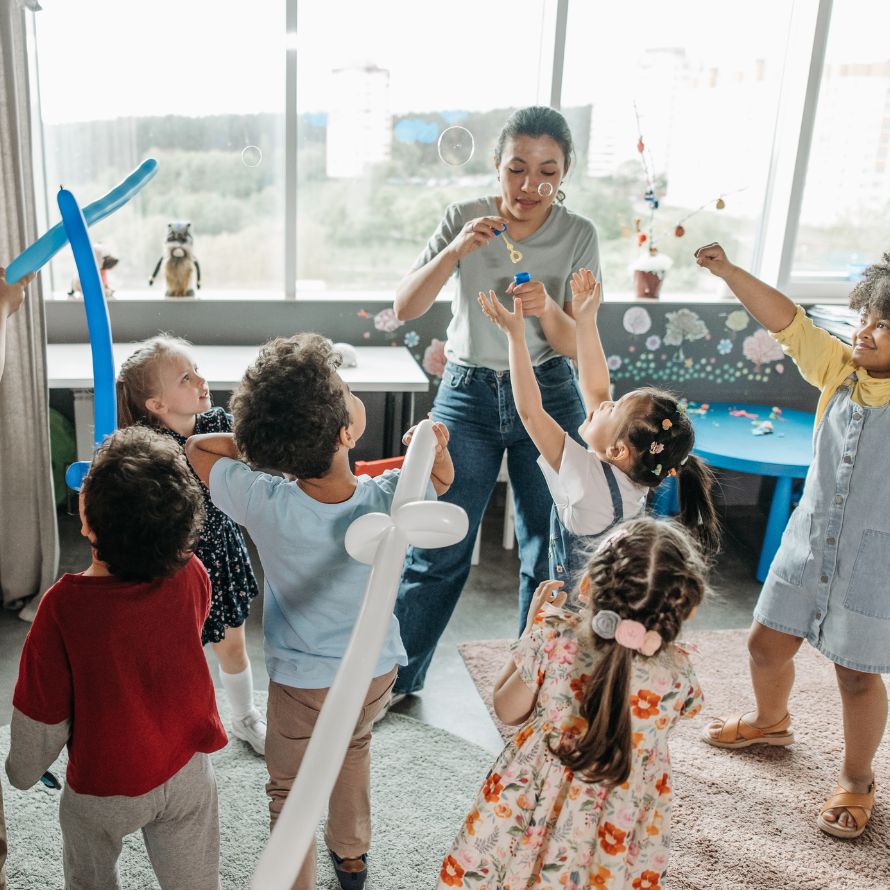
(828, 583)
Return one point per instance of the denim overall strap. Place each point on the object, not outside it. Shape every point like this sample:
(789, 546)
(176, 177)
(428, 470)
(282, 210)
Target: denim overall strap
(567, 549)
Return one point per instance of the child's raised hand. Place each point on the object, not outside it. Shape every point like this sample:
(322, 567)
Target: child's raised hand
(511, 323)
(548, 593)
(442, 436)
(713, 258)
(586, 294)
(12, 295)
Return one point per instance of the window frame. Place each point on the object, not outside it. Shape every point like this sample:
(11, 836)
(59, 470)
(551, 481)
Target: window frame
(795, 118)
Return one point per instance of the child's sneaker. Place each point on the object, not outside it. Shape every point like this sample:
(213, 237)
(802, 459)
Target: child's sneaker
(251, 729)
(394, 699)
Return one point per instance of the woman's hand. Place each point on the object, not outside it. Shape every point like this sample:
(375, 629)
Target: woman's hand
(548, 593)
(713, 258)
(534, 296)
(511, 323)
(586, 294)
(477, 233)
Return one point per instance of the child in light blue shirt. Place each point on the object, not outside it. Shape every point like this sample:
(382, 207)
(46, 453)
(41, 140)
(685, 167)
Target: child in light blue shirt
(294, 415)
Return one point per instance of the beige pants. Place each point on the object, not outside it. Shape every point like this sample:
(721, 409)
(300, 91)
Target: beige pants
(291, 719)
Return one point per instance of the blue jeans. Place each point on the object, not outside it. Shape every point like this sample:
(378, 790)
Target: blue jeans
(476, 404)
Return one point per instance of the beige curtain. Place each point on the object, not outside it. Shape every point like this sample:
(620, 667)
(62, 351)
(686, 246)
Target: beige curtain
(29, 541)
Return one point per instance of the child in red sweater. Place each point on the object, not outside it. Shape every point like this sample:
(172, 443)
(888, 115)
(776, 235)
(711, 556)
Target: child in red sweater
(113, 668)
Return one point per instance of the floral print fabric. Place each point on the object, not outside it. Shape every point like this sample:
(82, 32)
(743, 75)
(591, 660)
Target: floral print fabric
(534, 824)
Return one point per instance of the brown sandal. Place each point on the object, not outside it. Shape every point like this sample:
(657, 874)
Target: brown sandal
(859, 806)
(735, 733)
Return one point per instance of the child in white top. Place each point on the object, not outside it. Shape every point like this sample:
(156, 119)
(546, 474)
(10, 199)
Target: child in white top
(633, 443)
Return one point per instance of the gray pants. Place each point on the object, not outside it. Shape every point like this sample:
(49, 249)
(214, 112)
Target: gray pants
(179, 823)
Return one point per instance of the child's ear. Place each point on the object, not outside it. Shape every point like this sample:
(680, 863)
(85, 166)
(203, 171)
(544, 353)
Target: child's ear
(154, 405)
(345, 438)
(584, 586)
(618, 451)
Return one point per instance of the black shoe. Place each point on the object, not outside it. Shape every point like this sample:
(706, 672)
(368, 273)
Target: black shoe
(350, 880)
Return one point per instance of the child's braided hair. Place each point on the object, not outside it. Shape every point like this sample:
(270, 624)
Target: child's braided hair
(661, 438)
(650, 571)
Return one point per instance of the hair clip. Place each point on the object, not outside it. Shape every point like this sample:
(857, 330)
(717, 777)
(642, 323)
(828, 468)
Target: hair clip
(605, 623)
(656, 447)
(610, 625)
(667, 423)
(672, 471)
(683, 462)
(612, 539)
(657, 469)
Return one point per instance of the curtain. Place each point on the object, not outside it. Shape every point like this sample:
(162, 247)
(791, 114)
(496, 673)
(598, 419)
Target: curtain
(29, 541)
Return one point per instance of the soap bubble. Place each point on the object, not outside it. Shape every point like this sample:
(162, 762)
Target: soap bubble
(545, 189)
(456, 146)
(251, 156)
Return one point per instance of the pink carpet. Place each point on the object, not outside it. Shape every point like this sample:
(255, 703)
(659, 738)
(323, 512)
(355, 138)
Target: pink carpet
(746, 819)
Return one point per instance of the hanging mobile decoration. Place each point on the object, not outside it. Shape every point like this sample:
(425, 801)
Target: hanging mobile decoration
(718, 202)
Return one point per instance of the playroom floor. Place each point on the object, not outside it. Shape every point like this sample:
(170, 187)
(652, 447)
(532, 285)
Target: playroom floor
(487, 610)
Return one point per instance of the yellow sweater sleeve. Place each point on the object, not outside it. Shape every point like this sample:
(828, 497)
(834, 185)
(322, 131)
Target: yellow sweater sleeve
(822, 359)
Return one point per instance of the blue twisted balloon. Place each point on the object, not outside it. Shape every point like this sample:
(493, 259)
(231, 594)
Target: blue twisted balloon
(104, 401)
(49, 244)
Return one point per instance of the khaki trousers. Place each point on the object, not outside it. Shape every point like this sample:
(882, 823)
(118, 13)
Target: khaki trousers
(291, 718)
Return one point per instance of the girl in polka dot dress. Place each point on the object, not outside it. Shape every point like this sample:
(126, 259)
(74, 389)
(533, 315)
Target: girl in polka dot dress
(581, 796)
(159, 385)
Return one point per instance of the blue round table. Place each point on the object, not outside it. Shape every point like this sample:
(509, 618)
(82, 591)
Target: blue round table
(727, 442)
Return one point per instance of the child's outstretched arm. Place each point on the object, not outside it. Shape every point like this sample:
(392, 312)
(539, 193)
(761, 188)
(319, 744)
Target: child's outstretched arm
(513, 700)
(545, 432)
(442, 473)
(205, 450)
(593, 372)
(770, 307)
(11, 297)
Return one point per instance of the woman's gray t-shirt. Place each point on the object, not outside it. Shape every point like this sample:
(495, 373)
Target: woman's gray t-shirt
(565, 243)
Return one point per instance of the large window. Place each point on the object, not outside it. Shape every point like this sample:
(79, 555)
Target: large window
(201, 90)
(322, 176)
(702, 91)
(845, 215)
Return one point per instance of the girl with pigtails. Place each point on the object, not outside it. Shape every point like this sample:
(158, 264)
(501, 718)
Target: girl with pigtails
(633, 443)
(581, 796)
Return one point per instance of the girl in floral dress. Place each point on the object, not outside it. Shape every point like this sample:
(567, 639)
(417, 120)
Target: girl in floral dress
(581, 796)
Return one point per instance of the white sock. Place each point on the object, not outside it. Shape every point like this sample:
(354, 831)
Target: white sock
(239, 691)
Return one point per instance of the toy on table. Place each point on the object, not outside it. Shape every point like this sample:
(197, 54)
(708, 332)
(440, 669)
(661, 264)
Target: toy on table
(761, 427)
(179, 261)
(515, 255)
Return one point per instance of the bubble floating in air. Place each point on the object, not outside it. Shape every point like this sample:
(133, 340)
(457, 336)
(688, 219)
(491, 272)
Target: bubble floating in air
(456, 146)
(251, 156)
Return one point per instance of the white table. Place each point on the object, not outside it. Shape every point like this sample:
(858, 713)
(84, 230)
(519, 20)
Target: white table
(388, 369)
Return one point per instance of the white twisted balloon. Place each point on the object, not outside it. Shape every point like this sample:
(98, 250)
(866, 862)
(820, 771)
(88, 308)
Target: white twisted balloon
(381, 540)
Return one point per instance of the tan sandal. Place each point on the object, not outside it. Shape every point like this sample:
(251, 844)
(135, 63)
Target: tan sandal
(859, 806)
(735, 733)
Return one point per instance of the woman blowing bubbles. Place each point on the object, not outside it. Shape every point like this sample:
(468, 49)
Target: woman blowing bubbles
(532, 156)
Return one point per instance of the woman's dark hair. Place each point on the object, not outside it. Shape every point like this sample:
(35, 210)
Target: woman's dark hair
(138, 379)
(872, 294)
(661, 437)
(650, 571)
(290, 406)
(143, 505)
(535, 121)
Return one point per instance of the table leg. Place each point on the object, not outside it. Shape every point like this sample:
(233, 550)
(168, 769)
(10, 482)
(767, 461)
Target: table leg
(779, 511)
(388, 421)
(83, 423)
